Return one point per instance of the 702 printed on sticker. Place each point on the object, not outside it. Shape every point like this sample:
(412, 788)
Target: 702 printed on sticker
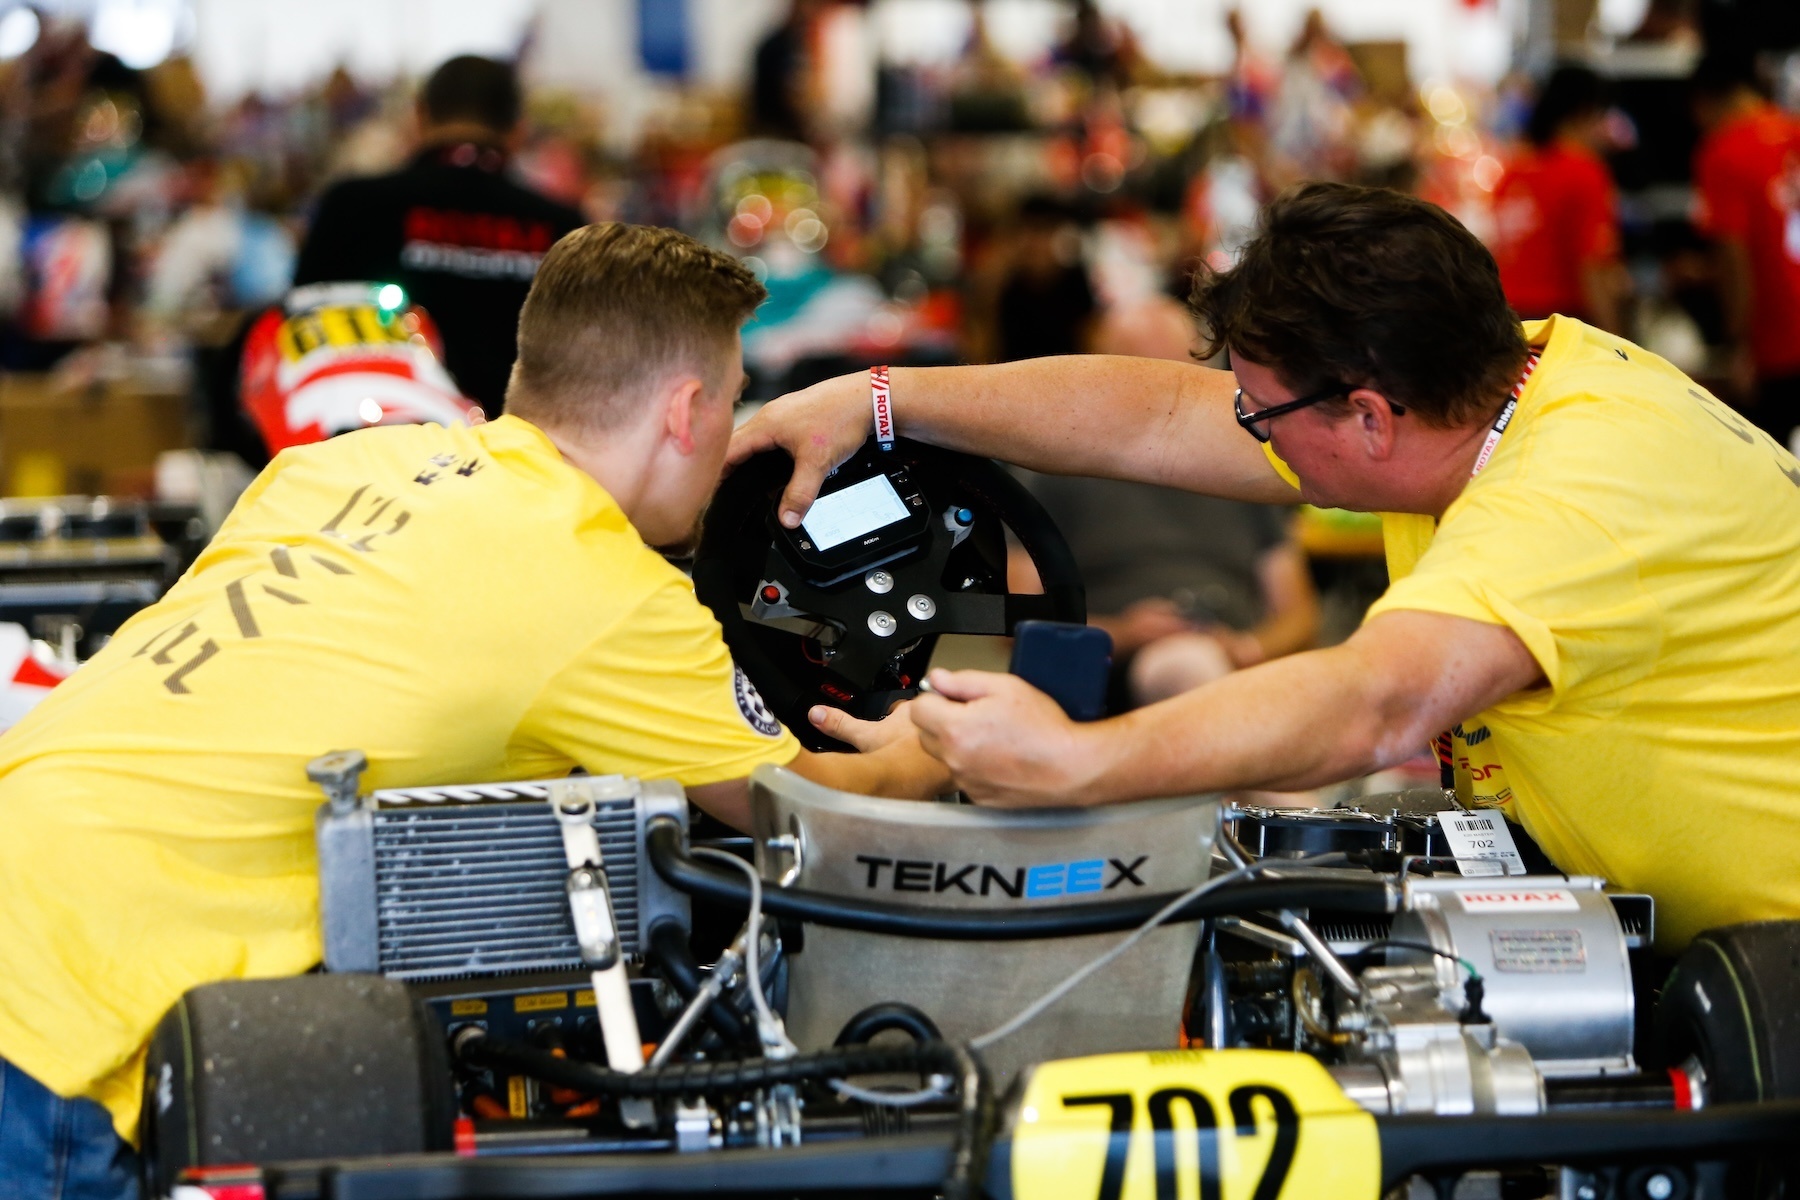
(1481, 843)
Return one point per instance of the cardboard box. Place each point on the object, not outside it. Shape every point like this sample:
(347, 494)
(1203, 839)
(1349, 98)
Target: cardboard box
(97, 440)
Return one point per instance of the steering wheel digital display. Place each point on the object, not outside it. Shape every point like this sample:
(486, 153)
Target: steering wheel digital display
(902, 547)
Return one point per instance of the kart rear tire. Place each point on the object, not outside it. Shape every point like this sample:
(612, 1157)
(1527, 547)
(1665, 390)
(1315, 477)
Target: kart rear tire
(1733, 1003)
(271, 1070)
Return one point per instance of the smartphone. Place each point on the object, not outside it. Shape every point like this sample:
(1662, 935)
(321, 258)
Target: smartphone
(1070, 662)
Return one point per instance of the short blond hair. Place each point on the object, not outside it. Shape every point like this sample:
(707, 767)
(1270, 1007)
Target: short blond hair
(614, 310)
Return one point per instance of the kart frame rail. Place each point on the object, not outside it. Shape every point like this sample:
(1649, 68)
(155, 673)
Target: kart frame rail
(918, 1163)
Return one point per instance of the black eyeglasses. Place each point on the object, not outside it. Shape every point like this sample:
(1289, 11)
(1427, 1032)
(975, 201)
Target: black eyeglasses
(1252, 421)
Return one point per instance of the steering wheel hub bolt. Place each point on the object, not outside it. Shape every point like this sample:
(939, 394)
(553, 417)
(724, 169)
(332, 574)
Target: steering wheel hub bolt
(879, 582)
(882, 624)
(922, 607)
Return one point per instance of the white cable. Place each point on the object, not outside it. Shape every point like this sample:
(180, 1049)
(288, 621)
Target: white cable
(774, 1034)
(769, 1029)
(850, 1091)
(1036, 1008)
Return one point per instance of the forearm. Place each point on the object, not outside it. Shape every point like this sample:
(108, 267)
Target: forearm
(900, 770)
(1111, 417)
(1291, 724)
(1295, 723)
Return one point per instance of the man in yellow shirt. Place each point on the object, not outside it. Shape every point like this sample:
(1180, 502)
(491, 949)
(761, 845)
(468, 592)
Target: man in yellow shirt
(462, 604)
(1595, 565)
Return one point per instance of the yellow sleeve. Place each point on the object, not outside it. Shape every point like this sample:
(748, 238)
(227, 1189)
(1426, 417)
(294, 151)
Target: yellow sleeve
(1281, 468)
(657, 697)
(1547, 571)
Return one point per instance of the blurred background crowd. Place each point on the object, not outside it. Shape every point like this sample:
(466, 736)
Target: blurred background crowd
(917, 181)
(948, 179)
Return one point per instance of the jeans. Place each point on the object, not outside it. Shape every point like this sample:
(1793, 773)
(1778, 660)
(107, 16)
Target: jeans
(57, 1149)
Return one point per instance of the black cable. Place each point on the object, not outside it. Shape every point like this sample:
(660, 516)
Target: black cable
(1474, 988)
(891, 1014)
(669, 952)
(1280, 886)
(974, 1126)
(475, 1048)
(975, 1104)
(1421, 947)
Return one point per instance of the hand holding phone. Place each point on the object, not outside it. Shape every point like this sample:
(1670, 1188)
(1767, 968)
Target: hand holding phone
(1071, 663)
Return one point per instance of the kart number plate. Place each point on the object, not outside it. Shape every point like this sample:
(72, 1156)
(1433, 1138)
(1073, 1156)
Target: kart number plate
(1207, 1124)
(1481, 843)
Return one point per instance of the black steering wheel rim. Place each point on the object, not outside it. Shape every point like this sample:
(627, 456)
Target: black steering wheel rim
(739, 548)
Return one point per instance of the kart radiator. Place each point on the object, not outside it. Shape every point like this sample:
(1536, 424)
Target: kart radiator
(445, 882)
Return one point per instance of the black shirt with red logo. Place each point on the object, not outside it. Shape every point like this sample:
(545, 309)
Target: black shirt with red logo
(463, 239)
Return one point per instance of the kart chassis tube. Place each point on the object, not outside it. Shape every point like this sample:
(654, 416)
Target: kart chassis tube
(1351, 892)
(1433, 1145)
(918, 1162)
(913, 1163)
(974, 1102)
(704, 1078)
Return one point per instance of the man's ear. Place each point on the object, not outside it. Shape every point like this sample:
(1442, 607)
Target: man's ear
(679, 403)
(1376, 424)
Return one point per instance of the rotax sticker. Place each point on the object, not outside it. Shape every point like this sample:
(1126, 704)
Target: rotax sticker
(1518, 900)
(1192, 1125)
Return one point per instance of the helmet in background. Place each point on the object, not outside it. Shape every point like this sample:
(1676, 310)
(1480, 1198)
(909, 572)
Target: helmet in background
(337, 357)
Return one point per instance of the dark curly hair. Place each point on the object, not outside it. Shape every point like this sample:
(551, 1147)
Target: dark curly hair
(1366, 287)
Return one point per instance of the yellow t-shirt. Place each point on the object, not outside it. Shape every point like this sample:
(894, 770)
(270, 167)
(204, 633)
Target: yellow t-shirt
(461, 604)
(1643, 541)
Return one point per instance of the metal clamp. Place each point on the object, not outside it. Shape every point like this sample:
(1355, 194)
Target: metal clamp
(590, 904)
(340, 775)
(572, 801)
(789, 847)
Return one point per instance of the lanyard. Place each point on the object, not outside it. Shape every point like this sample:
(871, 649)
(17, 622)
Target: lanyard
(1498, 430)
(1444, 745)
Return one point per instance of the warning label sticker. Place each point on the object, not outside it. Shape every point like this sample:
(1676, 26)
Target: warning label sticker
(1538, 951)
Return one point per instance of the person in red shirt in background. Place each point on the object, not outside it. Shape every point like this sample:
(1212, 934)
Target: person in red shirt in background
(1747, 180)
(1556, 219)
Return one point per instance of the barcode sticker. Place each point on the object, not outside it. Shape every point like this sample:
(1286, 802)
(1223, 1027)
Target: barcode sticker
(1481, 843)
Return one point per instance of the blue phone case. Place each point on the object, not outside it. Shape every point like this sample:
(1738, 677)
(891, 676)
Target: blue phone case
(1069, 662)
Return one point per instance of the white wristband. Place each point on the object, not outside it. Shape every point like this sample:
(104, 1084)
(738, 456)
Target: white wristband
(883, 400)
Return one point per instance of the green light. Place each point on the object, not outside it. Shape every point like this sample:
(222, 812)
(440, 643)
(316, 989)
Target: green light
(390, 297)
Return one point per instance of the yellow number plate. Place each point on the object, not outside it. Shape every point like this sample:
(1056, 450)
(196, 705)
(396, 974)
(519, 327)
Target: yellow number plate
(1192, 1125)
(340, 328)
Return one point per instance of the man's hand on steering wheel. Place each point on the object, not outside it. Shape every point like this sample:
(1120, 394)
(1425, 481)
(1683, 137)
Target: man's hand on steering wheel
(1007, 744)
(819, 427)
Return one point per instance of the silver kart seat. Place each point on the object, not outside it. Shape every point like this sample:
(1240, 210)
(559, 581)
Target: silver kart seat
(961, 857)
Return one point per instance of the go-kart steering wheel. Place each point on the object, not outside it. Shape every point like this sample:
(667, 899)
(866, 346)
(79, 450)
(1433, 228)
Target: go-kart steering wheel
(902, 546)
